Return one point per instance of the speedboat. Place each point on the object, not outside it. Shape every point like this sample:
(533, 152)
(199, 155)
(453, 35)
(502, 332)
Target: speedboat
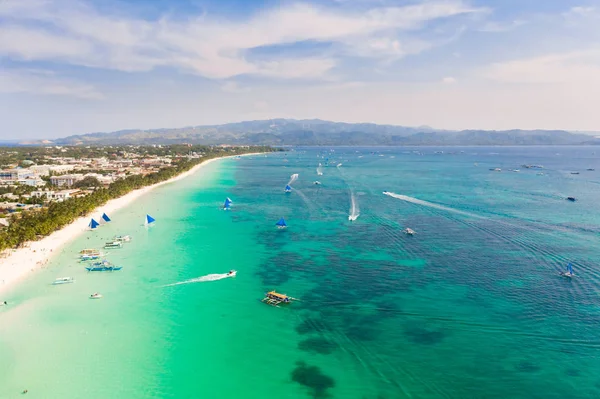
(96, 295)
(231, 273)
(409, 231)
(572, 199)
(318, 183)
(63, 280)
(104, 266)
(122, 238)
(113, 245)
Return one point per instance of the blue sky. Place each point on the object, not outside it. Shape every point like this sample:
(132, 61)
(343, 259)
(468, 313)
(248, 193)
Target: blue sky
(77, 66)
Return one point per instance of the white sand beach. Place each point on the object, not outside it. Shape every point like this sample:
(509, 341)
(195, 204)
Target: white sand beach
(36, 254)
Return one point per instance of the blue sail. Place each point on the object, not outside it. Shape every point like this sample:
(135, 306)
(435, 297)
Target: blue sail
(287, 188)
(149, 219)
(281, 223)
(227, 203)
(570, 268)
(93, 224)
(105, 217)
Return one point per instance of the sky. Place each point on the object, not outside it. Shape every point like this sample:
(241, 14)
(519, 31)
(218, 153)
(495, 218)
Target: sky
(78, 66)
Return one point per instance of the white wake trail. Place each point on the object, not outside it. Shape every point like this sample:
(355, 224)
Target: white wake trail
(430, 204)
(293, 178)
(354, 210)
(208, 277)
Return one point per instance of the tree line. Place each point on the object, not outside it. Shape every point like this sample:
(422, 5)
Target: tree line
(36, 224)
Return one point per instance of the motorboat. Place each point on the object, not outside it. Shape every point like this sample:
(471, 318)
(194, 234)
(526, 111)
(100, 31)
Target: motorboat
(122, 238)
(318, 183)
(63, 280)
(496, 169)
(590, 169)
(409, 231)
(572, 199)
(96, 295)
(86, 258)
(574, 173)
(104, 266)
(113, 245)
(231, 273)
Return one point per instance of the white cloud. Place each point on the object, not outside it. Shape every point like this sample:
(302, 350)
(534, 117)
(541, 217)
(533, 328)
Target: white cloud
(231, 86)
(45, 82)
(496, 26)
(75, 33)
(579, 67)
(449, 80)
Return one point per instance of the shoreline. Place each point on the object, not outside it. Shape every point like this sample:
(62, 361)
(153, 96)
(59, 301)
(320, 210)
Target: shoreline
(22, 261)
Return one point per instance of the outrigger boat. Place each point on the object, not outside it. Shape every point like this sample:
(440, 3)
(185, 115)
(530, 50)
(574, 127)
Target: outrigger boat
(122, 238)
(409, 231)
(104, 266)
(86, 258)
(274, 298)
(63, 280)
(113, 245)
(89, 252)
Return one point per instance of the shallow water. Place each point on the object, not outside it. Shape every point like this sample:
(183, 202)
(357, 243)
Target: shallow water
(470, 307)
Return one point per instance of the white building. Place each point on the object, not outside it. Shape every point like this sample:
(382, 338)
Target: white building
(33, 181)
(66, 180)
(15, 174)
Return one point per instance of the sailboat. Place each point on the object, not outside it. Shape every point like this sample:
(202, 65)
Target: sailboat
(288, 189)
(105, 218)
(93, 224)
(281, 224)
(227, 204)
(569, 273)
(149, 220)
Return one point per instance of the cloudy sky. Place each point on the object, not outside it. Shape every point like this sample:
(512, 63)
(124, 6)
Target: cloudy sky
(77, 66)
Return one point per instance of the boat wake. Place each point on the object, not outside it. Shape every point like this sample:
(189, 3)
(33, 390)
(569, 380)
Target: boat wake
(293, 178)
(354, 210)
(430, 204)
(203, 279)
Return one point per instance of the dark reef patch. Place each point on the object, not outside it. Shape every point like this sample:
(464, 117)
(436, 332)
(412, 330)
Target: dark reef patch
(423, 336)
(317, 345)
(312, 378)
(527, 366)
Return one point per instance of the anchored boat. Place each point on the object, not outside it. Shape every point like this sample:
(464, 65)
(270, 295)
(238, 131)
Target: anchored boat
(113, 245)
(104, 266)
(90, 252)
(409, 231)
(86, 258)
(96, 295)
(274, 298)
(63, 280)
(122, 239)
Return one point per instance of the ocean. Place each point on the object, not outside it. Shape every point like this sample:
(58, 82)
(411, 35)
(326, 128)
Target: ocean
(471, 306)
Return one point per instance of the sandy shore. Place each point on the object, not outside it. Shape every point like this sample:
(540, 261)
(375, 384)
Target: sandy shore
(22, 261)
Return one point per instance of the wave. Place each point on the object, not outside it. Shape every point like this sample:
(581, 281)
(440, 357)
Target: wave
(202, 279)
(430, 204)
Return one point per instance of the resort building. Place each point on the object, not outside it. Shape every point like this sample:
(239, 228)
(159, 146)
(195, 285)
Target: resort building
(33, 181)
(66, 180)
(15, 174)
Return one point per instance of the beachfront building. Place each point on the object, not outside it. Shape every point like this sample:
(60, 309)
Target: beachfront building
(66, 180)
(64, 194)
(15, 174)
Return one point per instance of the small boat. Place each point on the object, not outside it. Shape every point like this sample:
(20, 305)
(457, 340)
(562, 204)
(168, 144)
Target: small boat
(409, 231)
(231, 273)
(274, 298)
(104, 266)
(113, 245)
(105, 218)
(93, 224)
(281, 224)
(63, 280)
(122, 239)
(574, 173)
(496, 169)
(86, 258)
(590, 169)
(90, 252)
(515, 170)
(572, 199)
(96, 295)
(569, 273)
(227, 204)
(288, 189)
(317, 183)
(540, 174)
(149, 220)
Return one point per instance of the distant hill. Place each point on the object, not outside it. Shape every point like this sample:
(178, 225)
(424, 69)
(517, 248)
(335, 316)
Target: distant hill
(280, 132)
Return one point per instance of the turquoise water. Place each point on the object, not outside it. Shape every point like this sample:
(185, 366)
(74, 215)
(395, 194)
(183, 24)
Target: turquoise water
(470, 307)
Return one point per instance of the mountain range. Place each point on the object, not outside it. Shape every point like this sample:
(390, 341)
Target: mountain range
(315, 132)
